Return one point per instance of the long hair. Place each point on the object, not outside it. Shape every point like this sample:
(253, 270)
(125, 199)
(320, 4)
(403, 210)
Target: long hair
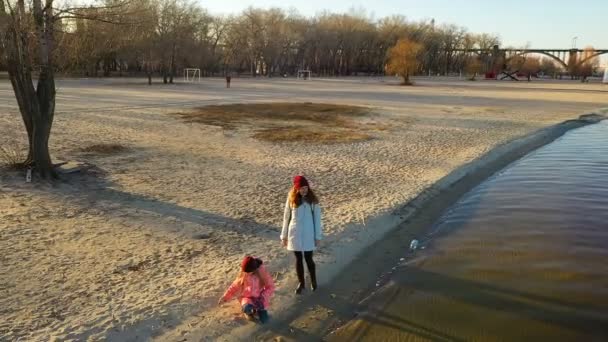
(295, 199)
(241, 277)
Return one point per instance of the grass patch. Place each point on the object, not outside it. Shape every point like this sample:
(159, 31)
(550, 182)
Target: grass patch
(105, 149)
(310, 135)
(289, 122)
(229, 116)
(12, 158)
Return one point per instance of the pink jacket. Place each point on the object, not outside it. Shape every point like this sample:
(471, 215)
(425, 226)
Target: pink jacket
(251, 288)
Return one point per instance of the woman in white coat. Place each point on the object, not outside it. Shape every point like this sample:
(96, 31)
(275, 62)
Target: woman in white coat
(302, 229)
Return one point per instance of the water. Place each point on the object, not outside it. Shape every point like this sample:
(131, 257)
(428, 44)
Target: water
(522, 257)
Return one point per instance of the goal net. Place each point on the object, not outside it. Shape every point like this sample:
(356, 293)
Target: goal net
(192, 75)
(304, 74)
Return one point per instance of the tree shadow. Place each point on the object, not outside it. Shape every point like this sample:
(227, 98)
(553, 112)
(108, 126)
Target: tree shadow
(374, 316)
(284, 326)
(536, 307)
(343, 310)
(91, 186)
(403, 326)
(586, 321)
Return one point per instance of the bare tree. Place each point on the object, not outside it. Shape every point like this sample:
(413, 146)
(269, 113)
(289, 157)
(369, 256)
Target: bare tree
(27, 37)
(549, 67)
(531, 66)
(36, 104)
(452, 39)
(217, 32)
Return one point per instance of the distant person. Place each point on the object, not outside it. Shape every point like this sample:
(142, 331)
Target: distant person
(228, 79)
(302, 229)
(253, 287)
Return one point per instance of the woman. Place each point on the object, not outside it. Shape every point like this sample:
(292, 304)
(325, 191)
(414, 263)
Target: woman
(302, 229)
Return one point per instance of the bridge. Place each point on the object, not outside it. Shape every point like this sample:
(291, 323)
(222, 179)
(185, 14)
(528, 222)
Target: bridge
(564, 57)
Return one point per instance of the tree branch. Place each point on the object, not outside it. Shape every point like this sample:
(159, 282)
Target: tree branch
(94, 7)
(99, 19)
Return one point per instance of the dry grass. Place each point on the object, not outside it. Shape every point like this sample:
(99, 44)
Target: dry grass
(11, 158)
(285, 122)
(311, 135)
(105, 149)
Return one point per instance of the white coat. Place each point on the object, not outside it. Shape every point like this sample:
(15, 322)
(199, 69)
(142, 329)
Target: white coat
(300, 228)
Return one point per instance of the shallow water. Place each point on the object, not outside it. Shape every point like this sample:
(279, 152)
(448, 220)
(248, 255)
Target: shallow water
(522, 257)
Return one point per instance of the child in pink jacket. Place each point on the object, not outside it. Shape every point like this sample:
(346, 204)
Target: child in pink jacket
(253, 287)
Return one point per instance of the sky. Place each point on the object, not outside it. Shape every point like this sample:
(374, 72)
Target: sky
(539, 23)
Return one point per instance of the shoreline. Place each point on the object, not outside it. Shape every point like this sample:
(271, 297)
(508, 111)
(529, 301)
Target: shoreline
(316, 316)
(499, 258)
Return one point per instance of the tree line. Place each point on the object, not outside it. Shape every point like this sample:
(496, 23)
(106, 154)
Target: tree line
(161, 37)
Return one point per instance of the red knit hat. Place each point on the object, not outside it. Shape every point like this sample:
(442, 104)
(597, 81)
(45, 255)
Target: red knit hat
(250, 264)
(299, 181)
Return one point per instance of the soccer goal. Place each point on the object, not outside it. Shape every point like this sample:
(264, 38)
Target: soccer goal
(304, 74)
(192, 75)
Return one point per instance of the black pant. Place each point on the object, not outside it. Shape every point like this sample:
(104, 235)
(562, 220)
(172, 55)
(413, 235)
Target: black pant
(300, 267)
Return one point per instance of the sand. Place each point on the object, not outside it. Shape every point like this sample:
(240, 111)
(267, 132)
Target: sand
(143, 243)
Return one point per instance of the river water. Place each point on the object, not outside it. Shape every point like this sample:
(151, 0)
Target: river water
(522, 257)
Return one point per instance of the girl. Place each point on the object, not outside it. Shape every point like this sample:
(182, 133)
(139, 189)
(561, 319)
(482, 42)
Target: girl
(302, 229)
(254, 288)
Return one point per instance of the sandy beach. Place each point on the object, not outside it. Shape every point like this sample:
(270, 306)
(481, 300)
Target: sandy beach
(143, 243)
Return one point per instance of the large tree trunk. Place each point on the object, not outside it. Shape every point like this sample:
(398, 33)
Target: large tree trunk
(37, 106)
(24, 90)
(45, 90)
